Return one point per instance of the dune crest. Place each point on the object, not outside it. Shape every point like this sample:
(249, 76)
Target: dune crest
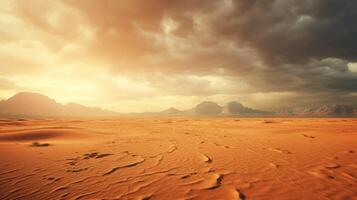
(50, 135)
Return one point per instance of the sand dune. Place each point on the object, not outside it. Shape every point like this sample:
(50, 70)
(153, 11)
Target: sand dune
(52, 135)
(179, 158)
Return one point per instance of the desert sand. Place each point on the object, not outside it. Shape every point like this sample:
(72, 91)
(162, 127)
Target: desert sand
(179, 158)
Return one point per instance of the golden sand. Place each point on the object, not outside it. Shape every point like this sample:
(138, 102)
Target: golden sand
(179, 158)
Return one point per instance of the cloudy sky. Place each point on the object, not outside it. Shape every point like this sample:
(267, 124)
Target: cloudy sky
(147, 55)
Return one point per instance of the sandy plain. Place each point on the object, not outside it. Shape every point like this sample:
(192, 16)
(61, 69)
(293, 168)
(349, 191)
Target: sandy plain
(179, 158)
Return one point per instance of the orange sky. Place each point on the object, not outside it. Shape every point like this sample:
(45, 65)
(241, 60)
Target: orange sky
(139, 55)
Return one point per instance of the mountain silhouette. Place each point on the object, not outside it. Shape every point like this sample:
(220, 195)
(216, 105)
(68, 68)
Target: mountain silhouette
(207, 108)
(325, 110)
(235, 108)
(29, 104)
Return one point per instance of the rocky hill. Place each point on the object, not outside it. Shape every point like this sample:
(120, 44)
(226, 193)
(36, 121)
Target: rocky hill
(28, 104)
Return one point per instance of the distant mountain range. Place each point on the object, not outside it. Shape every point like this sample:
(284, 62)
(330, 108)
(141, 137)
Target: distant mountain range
(210, 108)
(231, 108)
(27, 104)
(321, 111)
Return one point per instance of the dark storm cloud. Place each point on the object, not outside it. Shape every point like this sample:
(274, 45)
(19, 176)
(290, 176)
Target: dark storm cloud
(326, 75)
(282, 31)
(305, 45)
(287, 31)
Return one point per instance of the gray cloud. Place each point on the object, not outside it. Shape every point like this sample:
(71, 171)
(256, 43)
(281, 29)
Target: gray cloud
(287, 31)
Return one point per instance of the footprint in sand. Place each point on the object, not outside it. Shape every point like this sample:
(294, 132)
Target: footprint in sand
(217, 183)
(213, 181)
(188, 175)
(320, 173)
(37, 144)
(210, 182)
(273, 165)
(269, 122)
(224, 146)
(95, 155)
(205, 158)
(332, 166)
(75, 170)
(308, 136)
(53, 178)
(239, 195)
(325, 171)
(278, 150)
(74, 161)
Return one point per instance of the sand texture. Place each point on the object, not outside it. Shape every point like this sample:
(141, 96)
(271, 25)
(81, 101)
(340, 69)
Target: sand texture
(179, 158)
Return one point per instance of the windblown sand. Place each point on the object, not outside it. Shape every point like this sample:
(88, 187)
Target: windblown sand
(179, 158)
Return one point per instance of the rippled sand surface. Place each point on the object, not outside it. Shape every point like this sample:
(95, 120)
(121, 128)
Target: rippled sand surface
(179, 158)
